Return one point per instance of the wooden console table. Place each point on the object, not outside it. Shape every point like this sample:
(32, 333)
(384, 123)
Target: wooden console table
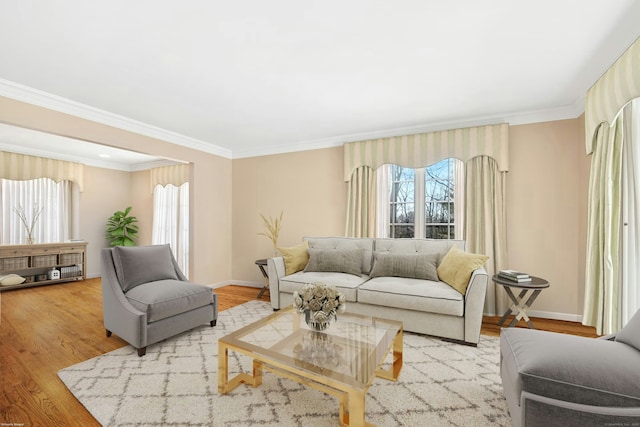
(35, 262)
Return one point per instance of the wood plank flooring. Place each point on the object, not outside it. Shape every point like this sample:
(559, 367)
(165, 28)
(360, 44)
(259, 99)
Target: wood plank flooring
(45, 329)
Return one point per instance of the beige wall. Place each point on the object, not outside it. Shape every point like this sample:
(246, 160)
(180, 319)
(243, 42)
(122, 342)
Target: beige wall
(546, 207)
(546, 201)
(98, 202)
(307, 186)
(211, 189)
(546, 210)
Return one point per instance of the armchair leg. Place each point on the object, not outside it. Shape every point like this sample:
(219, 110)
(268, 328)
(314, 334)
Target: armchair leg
(213, 322)
(108, 333)
(142, 351)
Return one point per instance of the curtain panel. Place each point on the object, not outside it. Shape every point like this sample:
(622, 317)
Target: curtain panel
(424, 149)
(361, 203)
(22, 167)
(601, 307)
(165, 175)
(617, 86)
(486, 223)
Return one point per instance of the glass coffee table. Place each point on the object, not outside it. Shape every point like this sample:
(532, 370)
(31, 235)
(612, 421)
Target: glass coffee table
(343, 360)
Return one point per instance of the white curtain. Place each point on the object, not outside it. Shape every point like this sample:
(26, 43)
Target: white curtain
(171, 221)
(630, 198)
(57, 201)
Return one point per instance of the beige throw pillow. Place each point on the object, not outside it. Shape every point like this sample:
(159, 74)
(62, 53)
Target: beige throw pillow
(295, 257)
(413, 266)
(456, 268)
(11, 279)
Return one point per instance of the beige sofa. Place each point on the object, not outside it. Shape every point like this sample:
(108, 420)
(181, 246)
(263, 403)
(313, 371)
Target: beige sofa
(424, 306)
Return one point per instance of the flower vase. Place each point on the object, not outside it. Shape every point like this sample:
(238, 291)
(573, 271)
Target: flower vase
(311, 318)
(29, 240)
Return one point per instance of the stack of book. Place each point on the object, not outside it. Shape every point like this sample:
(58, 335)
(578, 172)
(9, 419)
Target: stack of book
(514, 276)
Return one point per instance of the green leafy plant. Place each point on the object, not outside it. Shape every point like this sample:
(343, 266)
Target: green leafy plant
(121, 229)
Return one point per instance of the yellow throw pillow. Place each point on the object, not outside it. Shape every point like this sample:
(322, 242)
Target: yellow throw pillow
(295, 257)
(456, 268)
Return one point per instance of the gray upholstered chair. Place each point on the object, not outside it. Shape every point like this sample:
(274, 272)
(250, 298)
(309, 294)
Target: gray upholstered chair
(146, 298)
(552, 379)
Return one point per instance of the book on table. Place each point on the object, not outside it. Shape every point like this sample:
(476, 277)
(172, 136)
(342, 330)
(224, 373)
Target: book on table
(514, 275)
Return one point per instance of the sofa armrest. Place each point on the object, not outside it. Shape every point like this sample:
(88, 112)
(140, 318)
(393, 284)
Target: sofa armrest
(474, 305)
(275, 270)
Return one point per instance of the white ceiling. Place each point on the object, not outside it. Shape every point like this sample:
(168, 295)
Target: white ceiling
(257, 77)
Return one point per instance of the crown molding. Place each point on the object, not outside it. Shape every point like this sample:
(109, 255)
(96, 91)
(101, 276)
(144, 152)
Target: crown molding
(40, 98)
(43, 99)
(526, 117)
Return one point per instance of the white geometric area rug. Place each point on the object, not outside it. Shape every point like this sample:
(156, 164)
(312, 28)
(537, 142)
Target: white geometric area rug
(176, 383)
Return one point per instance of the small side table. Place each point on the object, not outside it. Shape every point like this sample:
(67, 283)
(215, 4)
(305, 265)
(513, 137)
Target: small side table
(262, 263)
(520, 306)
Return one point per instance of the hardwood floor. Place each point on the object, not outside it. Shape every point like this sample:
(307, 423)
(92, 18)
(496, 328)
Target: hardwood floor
(45, 329)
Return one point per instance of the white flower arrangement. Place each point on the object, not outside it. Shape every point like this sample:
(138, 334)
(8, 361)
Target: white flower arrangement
(321, 300)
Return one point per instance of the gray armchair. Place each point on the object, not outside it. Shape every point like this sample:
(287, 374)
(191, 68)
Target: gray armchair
(551, 379)
(146, 298)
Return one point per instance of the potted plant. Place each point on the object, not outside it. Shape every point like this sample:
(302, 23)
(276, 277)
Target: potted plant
(121, 229)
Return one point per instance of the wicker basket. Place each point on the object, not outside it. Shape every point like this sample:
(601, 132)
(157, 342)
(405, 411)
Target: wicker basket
(44, 260)
(70, 259)
(16, 263)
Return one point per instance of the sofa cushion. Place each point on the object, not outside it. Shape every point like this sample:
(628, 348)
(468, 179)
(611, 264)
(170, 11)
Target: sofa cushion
(340, 261)
(412, 294)
(136, 265)
(413, 266)
(342, 243)
(295, 257)
(166, 298)
(630, 334)
(417, 246)
(457, 266)
(570, 368)
(345, 283)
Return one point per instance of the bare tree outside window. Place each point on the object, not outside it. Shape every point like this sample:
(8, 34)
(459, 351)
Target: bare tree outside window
(402, 209)
(432, 191)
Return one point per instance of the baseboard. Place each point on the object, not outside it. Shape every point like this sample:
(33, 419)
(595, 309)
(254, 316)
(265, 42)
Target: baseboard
(236, 282)
(555, 316)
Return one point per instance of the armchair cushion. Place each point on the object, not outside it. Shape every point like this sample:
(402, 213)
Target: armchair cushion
(569, 368)
(630, 334)
(142, 264)
(165, 298)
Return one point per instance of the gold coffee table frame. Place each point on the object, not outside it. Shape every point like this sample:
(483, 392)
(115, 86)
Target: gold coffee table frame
(358, 346)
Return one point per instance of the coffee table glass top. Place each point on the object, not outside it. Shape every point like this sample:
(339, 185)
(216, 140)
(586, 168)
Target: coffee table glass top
(349, 351)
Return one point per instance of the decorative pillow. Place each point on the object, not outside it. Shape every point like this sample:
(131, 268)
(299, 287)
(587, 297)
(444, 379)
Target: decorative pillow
(295, 257)
(136, 265)
(11, 279)
(413, 266)
(456, 268)
(340, 261)
(630, 334)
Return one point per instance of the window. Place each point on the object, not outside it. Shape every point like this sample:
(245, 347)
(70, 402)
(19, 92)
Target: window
(171, 221)
(57, 203)
(423, 203)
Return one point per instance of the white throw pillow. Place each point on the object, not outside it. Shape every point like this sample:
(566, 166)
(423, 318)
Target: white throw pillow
(11, 279)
